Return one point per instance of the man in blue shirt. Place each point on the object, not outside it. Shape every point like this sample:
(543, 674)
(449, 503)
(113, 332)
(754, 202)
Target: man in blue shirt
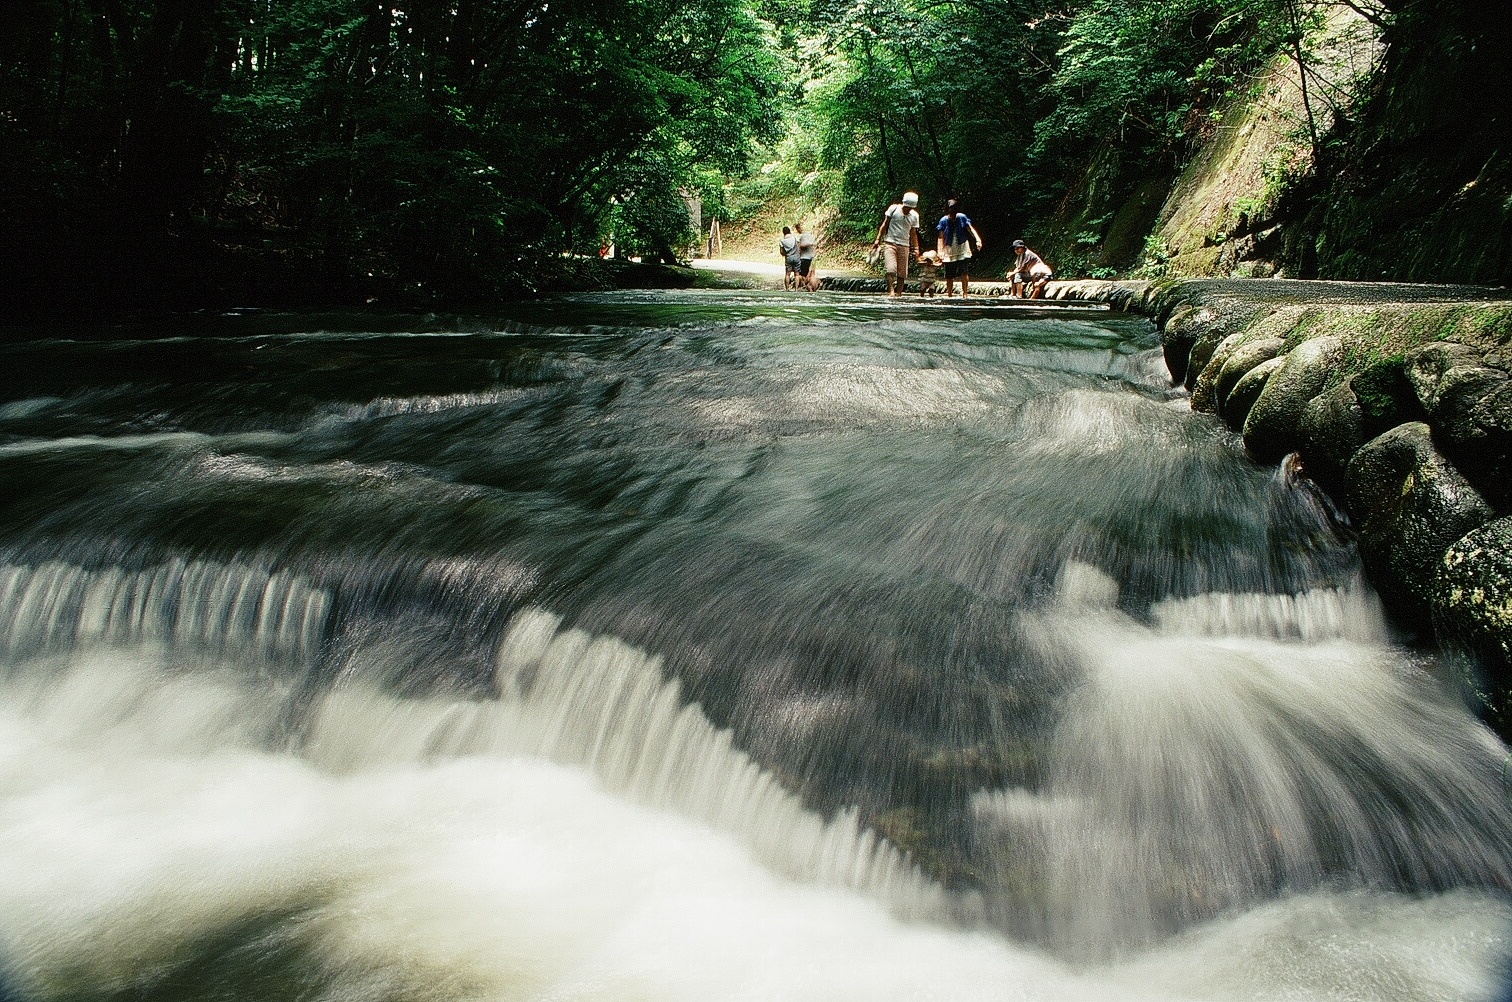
(955, 241)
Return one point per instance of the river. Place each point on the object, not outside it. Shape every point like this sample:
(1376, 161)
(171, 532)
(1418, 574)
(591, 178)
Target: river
(702, 645)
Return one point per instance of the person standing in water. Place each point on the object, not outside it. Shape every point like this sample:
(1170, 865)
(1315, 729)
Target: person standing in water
(788, 248)
(1029, 272)
(808, 278)
(956, 240)
(898, 236)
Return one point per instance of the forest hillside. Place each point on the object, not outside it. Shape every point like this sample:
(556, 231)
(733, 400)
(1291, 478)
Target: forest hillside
(204, 152)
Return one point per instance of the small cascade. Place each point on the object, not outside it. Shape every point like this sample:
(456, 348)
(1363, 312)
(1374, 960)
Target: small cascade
(1246, 746)
(54, 606)
(606, 706)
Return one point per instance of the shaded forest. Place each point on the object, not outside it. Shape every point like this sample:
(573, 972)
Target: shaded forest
(210, 152)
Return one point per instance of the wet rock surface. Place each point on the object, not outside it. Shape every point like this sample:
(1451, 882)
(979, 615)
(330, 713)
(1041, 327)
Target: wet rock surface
(1399, 400)
(1412, 504)
(1274, 425)
(1241, 399)
(1332, 429)
(1239, 363)
(1473, 593)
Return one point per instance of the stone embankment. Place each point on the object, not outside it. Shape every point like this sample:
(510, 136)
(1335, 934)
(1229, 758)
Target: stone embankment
(1398, 400)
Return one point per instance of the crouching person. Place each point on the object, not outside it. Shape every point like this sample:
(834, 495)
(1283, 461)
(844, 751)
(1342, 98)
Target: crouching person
(1029, 273)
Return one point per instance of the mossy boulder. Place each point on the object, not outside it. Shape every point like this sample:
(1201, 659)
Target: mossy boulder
(1186, 329)
(1332, 430)
(1472, 422)
(1240, 362)
(1241, 399)
(1204, 395)
(1411, 504)
(1425, 367)
(1474, 593)
(1386, 396)
(1273, 427)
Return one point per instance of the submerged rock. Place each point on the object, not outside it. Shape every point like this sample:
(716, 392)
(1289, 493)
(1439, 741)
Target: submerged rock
(1411, 504)
(1273, 427)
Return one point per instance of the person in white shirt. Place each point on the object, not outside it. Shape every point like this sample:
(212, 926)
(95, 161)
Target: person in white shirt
(1029, 272)
(898, 236)
(808, 278)
(788, 248)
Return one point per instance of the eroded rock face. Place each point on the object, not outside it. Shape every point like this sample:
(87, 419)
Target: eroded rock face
(1240, 362)
(1241, 399)
(1474, 588)
(1273, 427)
(1411, 504)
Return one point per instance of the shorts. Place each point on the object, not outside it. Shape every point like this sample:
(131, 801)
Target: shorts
(897, 259)
(790, 264)
(804, 266)
(958, 269)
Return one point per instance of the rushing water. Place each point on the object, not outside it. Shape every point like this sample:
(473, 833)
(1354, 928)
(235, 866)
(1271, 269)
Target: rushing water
(702, 646)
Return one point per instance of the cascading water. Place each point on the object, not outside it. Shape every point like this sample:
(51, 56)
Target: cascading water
(699, 646)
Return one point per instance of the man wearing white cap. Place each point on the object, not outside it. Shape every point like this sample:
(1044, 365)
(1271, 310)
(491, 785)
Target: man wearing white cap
(898, 236)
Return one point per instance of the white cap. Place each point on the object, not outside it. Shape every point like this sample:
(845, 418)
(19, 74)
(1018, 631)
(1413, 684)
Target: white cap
(910, 198)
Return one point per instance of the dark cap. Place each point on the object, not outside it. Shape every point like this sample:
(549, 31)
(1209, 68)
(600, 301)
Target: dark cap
(1018, 243)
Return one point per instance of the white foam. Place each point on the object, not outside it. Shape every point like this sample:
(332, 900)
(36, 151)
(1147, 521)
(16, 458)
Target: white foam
(513, 878)
(1216, 759)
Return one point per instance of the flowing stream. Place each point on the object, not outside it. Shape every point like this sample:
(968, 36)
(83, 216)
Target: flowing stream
(697, 646)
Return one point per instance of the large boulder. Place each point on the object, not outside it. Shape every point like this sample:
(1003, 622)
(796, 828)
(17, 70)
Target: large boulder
(1426, 365)
(1332, 429)
(1386, 396)
(1237, 405)
(1237, 365)
(1203, 396)
(1411, 504)
(1186, 328)
(1273, 427)
(1472, 422)
(1474, 595)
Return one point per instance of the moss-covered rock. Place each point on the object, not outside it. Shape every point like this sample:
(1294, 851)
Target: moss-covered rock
(1239, 362)
(1474, 592)
(1333, 429)
(1241, 399)
(1411, 504)
(1472, 422)
(1386, 396)
(1425, 367)
(1273, 427)
(1204, 389)
(1179, 338)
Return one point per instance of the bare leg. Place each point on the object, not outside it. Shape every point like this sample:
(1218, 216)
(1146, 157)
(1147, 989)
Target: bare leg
(965, 286)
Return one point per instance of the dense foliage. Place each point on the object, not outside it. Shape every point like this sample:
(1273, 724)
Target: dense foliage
(220, 149)
(440, 147)
(1005, 103)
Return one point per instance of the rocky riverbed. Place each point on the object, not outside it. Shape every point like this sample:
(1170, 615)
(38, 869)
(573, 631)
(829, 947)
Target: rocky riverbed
(1397, 399)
